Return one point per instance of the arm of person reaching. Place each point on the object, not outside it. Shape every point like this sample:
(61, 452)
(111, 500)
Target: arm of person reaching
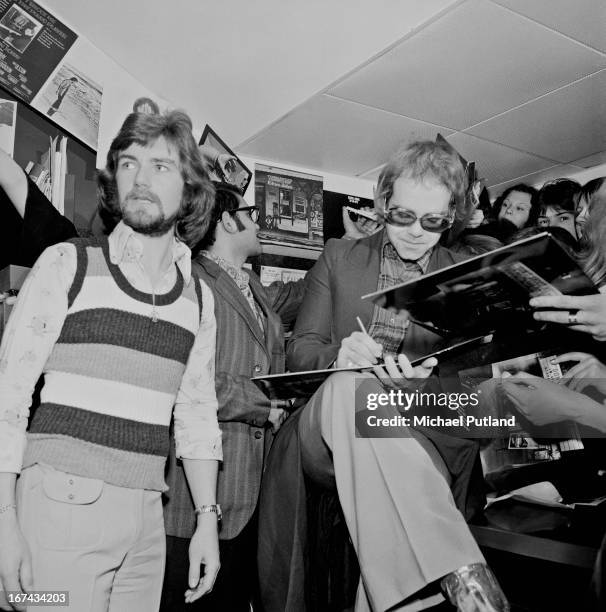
(311, 346)
(241, 400)
(29, 337)
(43, 225)
(286, 298)
(544, 402)
(584, 313)
(589, 371)
(364, 226)
(14, 182)
(198, 444)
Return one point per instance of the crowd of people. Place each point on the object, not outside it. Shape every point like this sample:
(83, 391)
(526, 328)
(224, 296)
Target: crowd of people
(147, 338)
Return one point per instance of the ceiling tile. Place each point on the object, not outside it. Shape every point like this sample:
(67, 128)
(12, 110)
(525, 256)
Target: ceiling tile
(337, 136)
(239, 65)
(536, 179)
(590, 161)
(565, 125)
(476, 61)
(583, 20)
(494, 162)
(372, 174)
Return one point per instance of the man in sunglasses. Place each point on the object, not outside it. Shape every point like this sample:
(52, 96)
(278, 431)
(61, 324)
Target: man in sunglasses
(405, 495)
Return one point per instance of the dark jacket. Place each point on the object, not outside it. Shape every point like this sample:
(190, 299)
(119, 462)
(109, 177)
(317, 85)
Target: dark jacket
(345, 272)
(243, 350)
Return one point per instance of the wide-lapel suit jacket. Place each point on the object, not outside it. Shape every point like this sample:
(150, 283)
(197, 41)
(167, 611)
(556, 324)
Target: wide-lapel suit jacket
(244, 350)
(345, 271)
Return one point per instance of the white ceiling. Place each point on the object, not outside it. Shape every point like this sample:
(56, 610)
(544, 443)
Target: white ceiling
(335, 86)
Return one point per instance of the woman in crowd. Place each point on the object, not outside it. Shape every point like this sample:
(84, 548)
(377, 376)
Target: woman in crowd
(557, 202)
(595, 187)
(513, 210)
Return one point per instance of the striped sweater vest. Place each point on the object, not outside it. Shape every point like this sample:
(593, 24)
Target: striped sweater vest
(113, 375)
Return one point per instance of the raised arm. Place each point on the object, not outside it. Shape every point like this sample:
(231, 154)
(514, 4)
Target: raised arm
(14, 182)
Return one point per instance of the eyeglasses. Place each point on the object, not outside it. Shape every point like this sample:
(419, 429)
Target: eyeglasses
(431, 222)
(253, 212)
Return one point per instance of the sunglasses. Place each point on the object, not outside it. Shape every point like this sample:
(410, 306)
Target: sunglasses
(252, 211)
(431, 222)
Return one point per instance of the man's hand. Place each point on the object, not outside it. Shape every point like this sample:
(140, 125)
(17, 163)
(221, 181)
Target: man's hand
(277, 416)
(476, 219)
(544, 402)
(358, 350)
(362, 227)
(203, 549)
(585, 313)
(15, 561)
(589, 372)
(398, 375)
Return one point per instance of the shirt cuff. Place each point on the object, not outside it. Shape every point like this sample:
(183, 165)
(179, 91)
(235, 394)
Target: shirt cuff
(207, 447)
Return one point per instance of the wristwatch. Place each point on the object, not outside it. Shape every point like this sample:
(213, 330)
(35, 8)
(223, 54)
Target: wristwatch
(216, 508)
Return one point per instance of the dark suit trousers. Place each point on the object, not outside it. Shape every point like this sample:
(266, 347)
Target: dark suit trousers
(236, 582)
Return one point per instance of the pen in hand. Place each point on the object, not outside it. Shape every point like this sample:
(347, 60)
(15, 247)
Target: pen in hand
(361, 326)
(363, 330)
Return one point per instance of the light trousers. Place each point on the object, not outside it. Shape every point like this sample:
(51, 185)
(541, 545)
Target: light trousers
(103, 544)
(395, 496)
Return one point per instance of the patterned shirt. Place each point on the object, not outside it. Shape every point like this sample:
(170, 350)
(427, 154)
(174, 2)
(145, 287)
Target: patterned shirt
(242, 280)
(387, 328)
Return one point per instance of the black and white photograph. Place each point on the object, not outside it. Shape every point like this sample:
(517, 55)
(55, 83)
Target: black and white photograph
(72, 98)
(303, 306)
(18, 28)
(32, 44)
(222, 163)
(290, 205)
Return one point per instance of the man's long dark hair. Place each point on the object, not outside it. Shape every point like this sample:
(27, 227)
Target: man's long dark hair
(198, 191)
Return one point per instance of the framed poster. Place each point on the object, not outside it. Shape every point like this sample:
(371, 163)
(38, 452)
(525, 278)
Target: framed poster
(72, 97)
(222, 163)
(290, 206)
(32, 42)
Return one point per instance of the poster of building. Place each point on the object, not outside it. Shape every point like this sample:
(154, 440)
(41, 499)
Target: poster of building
(290, 205)
(72, 97)
(333, 203)
(32, 44)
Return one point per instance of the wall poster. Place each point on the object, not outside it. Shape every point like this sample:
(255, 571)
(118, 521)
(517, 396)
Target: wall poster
(32, 44)
(290, 205)
(72, 97)
(222, 163)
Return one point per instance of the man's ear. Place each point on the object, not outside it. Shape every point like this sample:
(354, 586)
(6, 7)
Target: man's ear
(229, 223)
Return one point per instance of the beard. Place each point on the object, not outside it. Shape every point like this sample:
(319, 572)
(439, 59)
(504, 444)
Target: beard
(147, 218)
